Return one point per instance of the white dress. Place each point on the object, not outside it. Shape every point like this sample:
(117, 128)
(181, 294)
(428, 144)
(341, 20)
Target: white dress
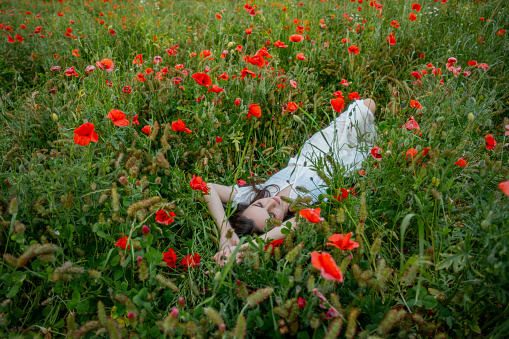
(348, 139)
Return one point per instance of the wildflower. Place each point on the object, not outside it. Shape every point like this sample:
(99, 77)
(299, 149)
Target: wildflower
(415, 104)
(301, 56)
(89, 69)
(170, 257)
(461, 162)
(215, 89)
(296, 38)
(292, 106)
(75, 52)
(280, 44)
(473, 63)
(394, 24)
(127, 89)
(218, 16)
(202, 79)
(327, 266)
(122, 243)
(84, 134)
(241, 183)
(237, 101)
(343, 242)
(118, 117)
(353, 49)
(141, 77)
(411, 153)
(254, 110)
(135, 120)
(179, 126)
(504, 186)
(246, 72)
(145, 229)
(219, 139)
(411, 124)
(376, 152)
(483, 66)
(249, 31)
(354, 96)
(338, 104)
(344, 82)
(138, 60)
(391, 39)
(71, 71)
(146, 130)
(342, 196)
(149, 71)
(274, 243)
(412, 17)
(55, 69)
(223, 77)
(165, 218)
(311, 215)
(112, 32)
(362, 172)
(19, 38)
(416, 7)
(198, 184)
(191, 260)
(301, 302)
(490, 142)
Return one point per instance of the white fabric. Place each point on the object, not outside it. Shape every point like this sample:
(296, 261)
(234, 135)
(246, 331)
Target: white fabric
(348, 139)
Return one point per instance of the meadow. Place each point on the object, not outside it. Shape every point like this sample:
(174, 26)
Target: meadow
(112, 109)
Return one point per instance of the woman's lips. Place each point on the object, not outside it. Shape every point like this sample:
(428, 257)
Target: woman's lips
(277, 200)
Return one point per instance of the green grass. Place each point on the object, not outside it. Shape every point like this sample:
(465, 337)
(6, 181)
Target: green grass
(433, 256)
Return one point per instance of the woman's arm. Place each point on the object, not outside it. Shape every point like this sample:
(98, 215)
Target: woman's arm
(217, 195)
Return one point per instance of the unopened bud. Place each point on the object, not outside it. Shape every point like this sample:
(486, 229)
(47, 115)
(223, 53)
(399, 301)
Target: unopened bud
(470, 117)
(145, 229)
(182, 302)
(54, 117)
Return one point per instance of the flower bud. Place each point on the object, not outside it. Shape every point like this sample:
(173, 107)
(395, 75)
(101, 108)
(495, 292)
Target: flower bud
(182, 302)
(470, 117)
(145, 230)
(130, 315)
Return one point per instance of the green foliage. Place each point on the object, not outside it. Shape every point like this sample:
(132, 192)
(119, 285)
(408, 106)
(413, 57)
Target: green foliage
(433, 236)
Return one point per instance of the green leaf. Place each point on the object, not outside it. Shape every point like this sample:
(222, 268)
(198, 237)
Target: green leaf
(429, 302)
(303, 335)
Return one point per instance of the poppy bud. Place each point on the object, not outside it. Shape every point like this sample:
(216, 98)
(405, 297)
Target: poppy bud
(217, 277)
(470, 117)
(54, 117)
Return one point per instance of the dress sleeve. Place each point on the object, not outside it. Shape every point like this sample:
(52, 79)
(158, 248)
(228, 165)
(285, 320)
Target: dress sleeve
(244, 195)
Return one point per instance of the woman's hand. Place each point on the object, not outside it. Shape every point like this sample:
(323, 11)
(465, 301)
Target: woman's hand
(223, 256)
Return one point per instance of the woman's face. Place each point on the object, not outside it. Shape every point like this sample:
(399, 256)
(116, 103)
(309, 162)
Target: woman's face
(262, 210)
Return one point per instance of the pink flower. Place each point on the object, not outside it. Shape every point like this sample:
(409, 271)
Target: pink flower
(376, 152)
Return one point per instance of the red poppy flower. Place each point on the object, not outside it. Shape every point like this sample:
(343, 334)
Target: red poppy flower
(10, 39)
(202, 79)
(241, 183)
(135, 120)
(504, 186)
(490, 142)
(391, 39)
(483, 66)
(353, 49)
(312, 215)
(301, 302)
(71, 71)
(343, 195)
(338, 104)
(411, 153)
(19, 38)
(246, 72)
(191, 260)
(127, 89)
(138, 60)
(118, 117)
(165, 218)
(338, 94)
(198, 184)
(249, 31)
(215, 89)
(473, 63)
(170, 258)
(122, 243)
(223, 76)
(376, 152)
(146, 130)
(345, 40)
(461, 162)
(344, 83)
(362, 172)
(256, 60)
(296, 38)
(237, 101)
(218, 16)
(394, 24)
(149, 71)
(301, 56)
(342, 242)
(179, 126)
(327, 266)
(141, 77)
(292, 106)
(84, 134)
(415, 104)
(412, 17)
(354, 96)
(416, 7)
(219, 139)
(112, 32)
(280, 44)
(254, 110)
(411, 124)
(274, 243)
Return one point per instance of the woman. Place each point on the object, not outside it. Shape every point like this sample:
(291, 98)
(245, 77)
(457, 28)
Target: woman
(347, 139)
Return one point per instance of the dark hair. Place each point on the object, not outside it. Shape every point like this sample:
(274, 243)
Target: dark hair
(245, 226)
